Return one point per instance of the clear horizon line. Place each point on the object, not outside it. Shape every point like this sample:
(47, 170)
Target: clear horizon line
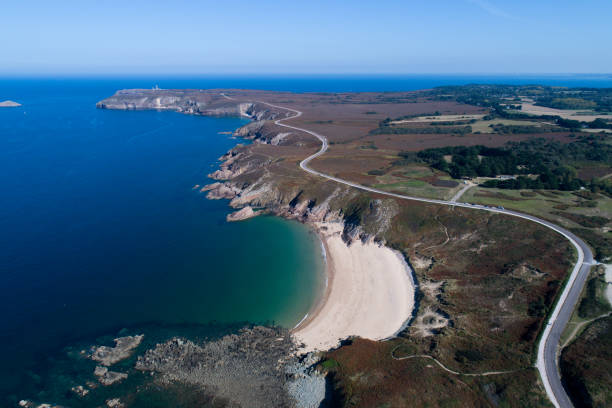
(288, 74)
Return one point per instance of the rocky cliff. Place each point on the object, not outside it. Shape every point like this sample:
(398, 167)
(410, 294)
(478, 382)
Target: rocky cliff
(195, 102)
(263, 177)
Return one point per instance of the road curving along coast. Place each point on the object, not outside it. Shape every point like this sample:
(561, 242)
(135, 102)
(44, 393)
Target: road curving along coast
(548, 347)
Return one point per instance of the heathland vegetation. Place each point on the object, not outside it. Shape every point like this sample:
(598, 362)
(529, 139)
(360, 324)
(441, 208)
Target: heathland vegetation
(539, 163)
(486, 281)
(597, 99)
(585, 361)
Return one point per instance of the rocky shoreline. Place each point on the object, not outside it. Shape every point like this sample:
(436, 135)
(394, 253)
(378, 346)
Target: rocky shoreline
(258, 357)
(256, 366)
(193, 102)
(256, 181)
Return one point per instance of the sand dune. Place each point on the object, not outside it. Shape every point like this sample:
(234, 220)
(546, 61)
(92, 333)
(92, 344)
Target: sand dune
(370, 293)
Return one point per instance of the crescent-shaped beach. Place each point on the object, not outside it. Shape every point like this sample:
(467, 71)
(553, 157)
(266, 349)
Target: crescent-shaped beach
(369, 293)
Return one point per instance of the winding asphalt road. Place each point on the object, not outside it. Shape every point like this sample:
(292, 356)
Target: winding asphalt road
(547, 360)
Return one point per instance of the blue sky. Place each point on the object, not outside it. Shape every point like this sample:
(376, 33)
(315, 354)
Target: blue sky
(383, 36)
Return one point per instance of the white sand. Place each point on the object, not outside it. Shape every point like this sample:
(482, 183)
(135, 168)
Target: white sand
(370, 294)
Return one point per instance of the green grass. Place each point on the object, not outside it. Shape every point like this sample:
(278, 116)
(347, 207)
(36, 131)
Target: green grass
(541, 204)
(410, 182)
(483, 126)
(416, 188)
(329, 364)
(561, 207)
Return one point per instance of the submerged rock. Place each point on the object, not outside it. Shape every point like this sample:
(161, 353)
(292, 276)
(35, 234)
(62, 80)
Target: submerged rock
(114, 403)
(30, 404)
(80, 390)
(107, 377)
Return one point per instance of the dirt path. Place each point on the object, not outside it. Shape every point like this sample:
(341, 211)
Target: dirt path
(579, 326)
(486, 373)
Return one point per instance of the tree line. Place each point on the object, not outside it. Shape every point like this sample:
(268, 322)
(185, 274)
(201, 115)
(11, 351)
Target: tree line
(537, 163)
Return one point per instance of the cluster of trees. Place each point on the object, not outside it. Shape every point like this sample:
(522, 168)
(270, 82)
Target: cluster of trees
(501, 112)
(548, 163)
(599, 124)
(601, 186)
(401, 130)
(521, 129)
(471, 161)
(599, 99)
(479, 95)
(565, 103)
(558, 179)
(386, 127)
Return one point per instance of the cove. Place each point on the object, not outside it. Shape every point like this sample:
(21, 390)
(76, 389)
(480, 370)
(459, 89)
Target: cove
(100, 229)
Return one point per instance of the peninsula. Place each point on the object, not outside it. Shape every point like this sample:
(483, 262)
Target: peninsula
(443, 178)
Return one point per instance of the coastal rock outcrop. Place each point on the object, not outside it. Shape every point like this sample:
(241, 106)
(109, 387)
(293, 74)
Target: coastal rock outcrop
(30, 404)
(193, 102)
(306, 385)
(250, 131)
(107, 377)
(246, 368)
(124, 347)
(80, 390)
(114, 403)
(217, 191)
(263, 131)
(243, 214)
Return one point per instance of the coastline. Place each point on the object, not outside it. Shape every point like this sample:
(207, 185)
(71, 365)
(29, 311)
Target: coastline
(369, 289)
(323, 295)
(370, 293)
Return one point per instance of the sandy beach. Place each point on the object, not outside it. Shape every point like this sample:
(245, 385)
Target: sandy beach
(370, 293)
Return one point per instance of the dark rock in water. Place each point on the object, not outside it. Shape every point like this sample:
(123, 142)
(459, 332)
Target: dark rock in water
(30, 404)
(114, 403)
(107, 377)
(190, 366)
(247, 368)
(80, 390)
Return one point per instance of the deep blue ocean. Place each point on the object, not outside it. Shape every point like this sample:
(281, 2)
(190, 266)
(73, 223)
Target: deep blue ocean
(100, 229)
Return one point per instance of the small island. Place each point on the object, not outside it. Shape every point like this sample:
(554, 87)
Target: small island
(9, 104)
